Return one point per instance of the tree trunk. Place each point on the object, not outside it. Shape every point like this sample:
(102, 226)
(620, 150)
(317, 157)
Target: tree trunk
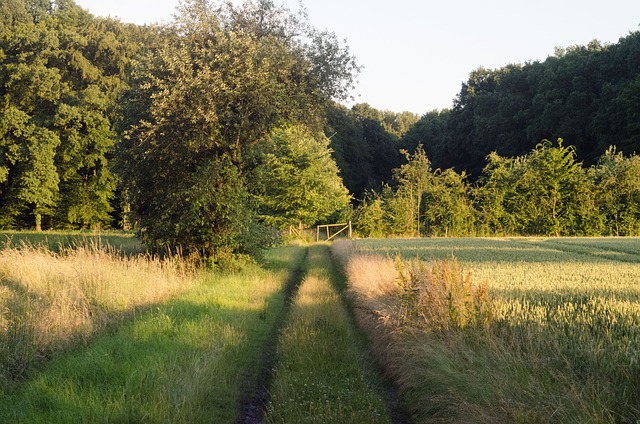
(38, 222)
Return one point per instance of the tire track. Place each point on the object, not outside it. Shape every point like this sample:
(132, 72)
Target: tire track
(255, 395)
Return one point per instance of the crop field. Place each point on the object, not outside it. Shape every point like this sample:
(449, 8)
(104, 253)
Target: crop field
(516, 266)
(564, 330)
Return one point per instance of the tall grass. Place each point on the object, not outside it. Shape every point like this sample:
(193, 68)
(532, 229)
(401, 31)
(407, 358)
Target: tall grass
(117, 241)
(53, 301)
(559, 339)
(184, 360)
(319, 376)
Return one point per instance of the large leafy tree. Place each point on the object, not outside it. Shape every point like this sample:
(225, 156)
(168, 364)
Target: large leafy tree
(545, 192)
(30, 89)
(219, 81)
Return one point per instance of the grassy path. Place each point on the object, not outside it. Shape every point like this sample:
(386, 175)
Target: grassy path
(185, 361)
(209, 355)
(255, 392)
(320, 373)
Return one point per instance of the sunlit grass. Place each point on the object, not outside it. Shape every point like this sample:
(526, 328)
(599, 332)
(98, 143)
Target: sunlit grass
(319, 376)
(115, 241)
(51, 301)
(563, 341)
(185, 360)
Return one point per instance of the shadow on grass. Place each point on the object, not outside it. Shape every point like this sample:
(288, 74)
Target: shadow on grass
(22, 352)
(189, 360)
(178, 362)
(515, 249)
(257, 380)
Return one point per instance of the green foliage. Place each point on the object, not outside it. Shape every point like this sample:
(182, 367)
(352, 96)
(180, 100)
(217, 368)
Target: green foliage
(616, 182)
(413, 180)
(365, 144)
(426, 201)
(545, 192)
(449, 209)
(221, 81)
(60, 70)
(369, 216)
(200, 212)
(300, 180)
(584, 94)
(29, 178)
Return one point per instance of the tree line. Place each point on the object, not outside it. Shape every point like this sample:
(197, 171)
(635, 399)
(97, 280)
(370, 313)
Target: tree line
(211, 132)
(474, 169)
(202, 134)
(544, 192)
(587, 95)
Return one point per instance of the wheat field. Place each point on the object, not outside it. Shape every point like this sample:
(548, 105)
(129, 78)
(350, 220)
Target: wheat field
(563, 339)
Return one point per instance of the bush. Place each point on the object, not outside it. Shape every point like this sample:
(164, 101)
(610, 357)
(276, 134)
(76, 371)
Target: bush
(441, 297)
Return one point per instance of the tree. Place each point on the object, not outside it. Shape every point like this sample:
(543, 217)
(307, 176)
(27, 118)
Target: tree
(30, 90)
(495, 186)
(616, 182)
(350, 151)
(448, 209)
(399, 124)
(369, 216)
(586, 94)
(543, 193)
(365, 146)
(300, 179)
(27, 172)
(56, 86)
(413, 179)
(221, 81)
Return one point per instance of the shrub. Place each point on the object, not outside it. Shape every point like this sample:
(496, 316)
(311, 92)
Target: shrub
(441, 297)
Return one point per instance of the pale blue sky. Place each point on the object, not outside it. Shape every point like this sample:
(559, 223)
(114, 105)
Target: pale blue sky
(416, 53)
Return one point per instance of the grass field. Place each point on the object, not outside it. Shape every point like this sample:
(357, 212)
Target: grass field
(320, 374)
(51, 302)
(90, 332)
(55, 241)
(564, 340)
(184, 359)
(540, 330)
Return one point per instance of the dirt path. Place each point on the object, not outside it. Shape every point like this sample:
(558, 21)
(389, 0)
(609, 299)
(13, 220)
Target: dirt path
(256, 395)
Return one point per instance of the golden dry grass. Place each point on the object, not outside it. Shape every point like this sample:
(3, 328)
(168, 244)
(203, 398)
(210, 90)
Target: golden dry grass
(559, 334)
(49, 301)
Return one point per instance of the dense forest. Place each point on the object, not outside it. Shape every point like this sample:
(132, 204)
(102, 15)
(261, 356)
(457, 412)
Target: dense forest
(487, 165)
(211, 132)
(587, 95)
(202, 134)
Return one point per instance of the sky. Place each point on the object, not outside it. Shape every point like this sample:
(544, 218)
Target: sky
(417, 53)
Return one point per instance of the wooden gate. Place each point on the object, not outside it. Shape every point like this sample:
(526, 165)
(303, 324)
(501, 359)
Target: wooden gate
(333, 230)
